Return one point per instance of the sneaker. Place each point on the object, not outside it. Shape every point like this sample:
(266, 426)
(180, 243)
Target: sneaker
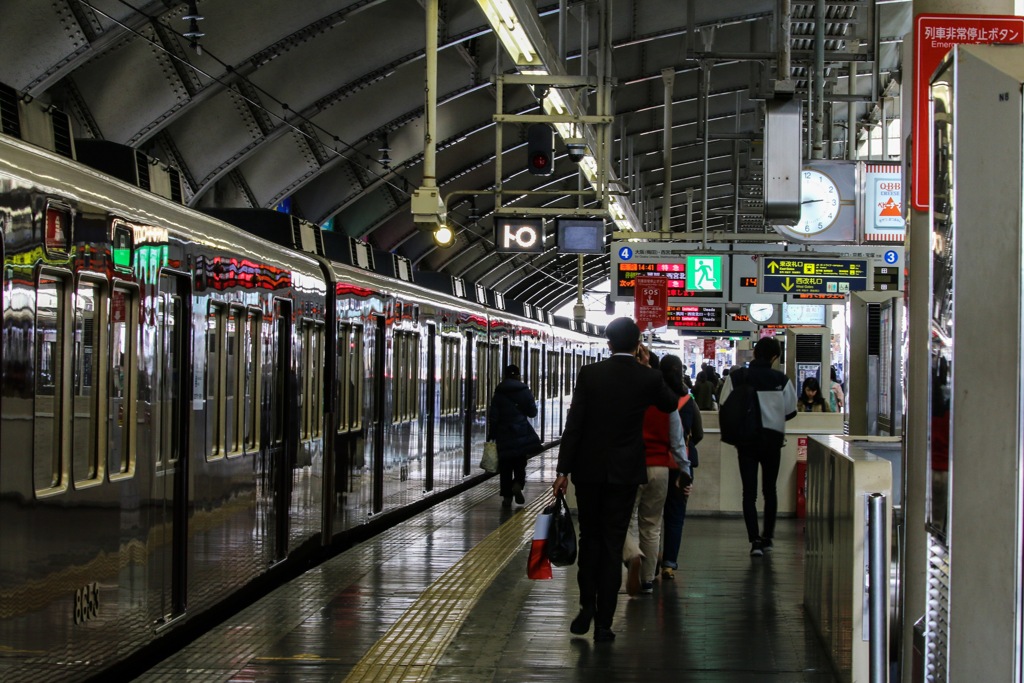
(517, 491)
(756, 549)
(506, 502)
(633, 575)
(668, 573)
(647, 587)
(766, 544)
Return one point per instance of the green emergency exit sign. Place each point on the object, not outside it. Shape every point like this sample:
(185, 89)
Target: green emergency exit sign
(703, 273)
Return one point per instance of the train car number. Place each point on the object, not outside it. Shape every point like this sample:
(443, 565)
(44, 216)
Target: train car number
(87, 603)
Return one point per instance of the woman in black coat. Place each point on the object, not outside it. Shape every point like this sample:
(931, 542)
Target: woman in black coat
(509, 428)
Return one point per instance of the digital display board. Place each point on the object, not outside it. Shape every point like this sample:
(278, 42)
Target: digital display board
(626, 274)
(519, 235)
(695, 316)
(803, 314)
(579, 236)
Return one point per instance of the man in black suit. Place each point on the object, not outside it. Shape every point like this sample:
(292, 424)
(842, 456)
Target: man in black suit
(602, 448)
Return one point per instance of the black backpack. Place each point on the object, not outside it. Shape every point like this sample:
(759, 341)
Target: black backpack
(739, 418)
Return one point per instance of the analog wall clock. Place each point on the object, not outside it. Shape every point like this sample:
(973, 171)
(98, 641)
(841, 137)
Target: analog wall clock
(761, 313)
(819, 203)
(827, 203)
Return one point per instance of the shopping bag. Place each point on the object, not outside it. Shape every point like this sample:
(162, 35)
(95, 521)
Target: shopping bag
(489, 461)
(561, 545)
(538, 566)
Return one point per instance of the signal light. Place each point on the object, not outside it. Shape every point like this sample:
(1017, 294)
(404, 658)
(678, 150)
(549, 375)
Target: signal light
(540, 149)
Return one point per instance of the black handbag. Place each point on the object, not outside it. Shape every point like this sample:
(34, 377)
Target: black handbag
(561, 543)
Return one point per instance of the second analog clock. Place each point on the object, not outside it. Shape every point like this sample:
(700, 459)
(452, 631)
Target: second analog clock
(761, 313)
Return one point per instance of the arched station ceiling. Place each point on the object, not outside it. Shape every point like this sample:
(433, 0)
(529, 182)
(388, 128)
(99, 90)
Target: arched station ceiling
(295, 100)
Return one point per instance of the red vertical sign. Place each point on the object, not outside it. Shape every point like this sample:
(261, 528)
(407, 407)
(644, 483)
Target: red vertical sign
(709, 348)
(650, 300)
(934, 35)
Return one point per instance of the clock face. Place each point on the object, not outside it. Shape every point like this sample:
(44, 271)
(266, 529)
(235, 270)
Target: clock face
(760, 313)
(819, 204)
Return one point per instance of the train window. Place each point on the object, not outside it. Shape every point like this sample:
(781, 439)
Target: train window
(50, 457)
(343, 377)
(215, 378)
(535, 385)
(450, 375)
(553, 381)
(516, 355)
(121, 383)
(88, 375)
(350, 377)
(167, 361)
(357, 373)
(280, 352)
(405, 374)
(251, 362)
(480, 380)
(311, 380)
(494, 370)
(234, 336)
(568, 374)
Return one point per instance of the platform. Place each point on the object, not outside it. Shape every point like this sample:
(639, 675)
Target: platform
(444, 597)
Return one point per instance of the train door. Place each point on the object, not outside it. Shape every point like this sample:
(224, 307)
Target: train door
(431, 405)
(170, 482)
(379, 396)
(470, 403)
(281, 435)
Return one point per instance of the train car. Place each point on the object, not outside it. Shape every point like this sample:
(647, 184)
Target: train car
(152, 372)
(185, 405)
(414, 370)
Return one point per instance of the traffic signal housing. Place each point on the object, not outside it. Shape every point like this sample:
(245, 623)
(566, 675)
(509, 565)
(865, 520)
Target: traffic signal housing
(540, 149)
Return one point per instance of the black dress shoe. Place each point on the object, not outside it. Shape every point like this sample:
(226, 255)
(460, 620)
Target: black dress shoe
(603, 634)
(517, 492)
(581, 624)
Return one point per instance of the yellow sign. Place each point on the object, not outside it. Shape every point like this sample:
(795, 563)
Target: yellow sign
(816, 267)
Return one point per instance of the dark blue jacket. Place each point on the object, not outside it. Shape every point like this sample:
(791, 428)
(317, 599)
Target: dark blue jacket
(507, 421)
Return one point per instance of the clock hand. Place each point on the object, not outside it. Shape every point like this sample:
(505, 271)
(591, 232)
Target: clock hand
(811, 201)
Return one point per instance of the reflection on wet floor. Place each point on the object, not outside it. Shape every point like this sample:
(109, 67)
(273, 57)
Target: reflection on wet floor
(448, 594)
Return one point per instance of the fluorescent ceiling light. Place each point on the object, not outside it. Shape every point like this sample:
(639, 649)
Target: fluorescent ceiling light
(510, 31)
(554, 103)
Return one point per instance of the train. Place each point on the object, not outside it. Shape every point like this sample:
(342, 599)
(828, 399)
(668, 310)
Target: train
(186, 406)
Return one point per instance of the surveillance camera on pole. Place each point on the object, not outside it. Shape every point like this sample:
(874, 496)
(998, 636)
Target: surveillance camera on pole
(577, 149)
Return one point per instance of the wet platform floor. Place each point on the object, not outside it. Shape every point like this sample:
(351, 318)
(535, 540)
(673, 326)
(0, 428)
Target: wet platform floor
(444, 597)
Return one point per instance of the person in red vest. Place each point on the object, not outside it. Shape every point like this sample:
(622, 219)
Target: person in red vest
(666, 451)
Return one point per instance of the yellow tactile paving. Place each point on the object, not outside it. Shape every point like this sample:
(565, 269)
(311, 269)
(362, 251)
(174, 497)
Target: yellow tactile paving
(414, 645)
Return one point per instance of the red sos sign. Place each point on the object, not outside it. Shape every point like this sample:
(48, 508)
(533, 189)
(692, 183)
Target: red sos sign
(650, 300)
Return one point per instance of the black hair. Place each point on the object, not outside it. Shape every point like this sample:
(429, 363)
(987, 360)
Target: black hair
(672, 370)
(812, 384)
(767, 348)
(512, 371)
(623, 335)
